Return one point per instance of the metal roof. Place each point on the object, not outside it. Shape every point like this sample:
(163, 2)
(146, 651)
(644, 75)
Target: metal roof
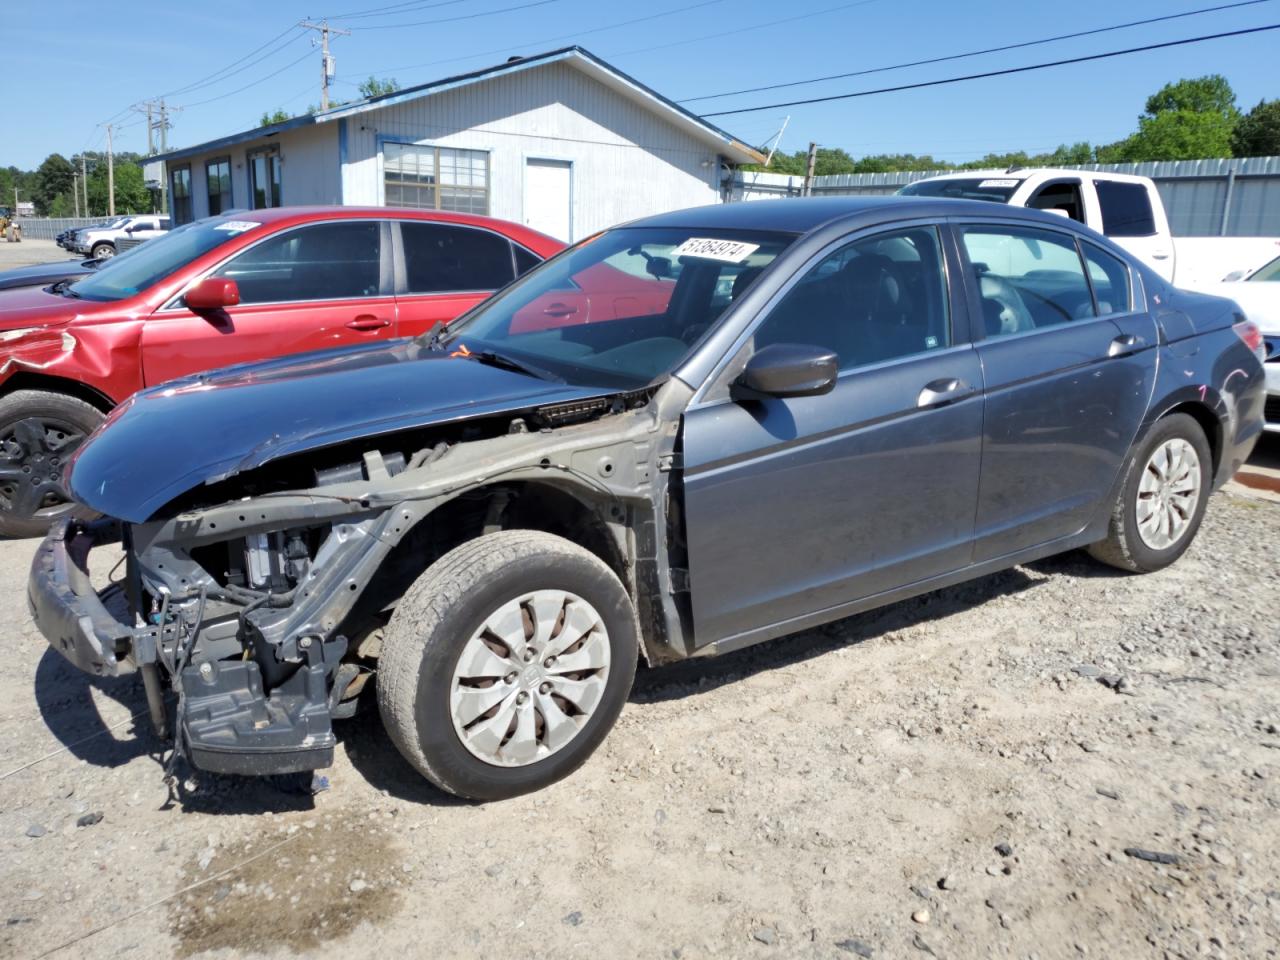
(575, 56)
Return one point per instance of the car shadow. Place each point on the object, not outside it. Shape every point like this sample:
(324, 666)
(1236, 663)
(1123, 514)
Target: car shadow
(698, 676)
(369, 748)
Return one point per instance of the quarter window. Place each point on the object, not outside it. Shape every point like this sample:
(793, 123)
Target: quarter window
(1029, 279)
(328, 261)
(439, 258)
(180, 194)
(1126, 209)
(264, 178)
(1110, 279)
(875, 299)
(436, 178)
(217, 175)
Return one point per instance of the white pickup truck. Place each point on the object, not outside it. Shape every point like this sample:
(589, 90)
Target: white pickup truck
(1129, 211)
(1125, 208)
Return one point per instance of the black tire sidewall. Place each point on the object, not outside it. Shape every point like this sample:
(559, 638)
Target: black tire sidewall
(1171, 427)
(45, 406)
(450, 760)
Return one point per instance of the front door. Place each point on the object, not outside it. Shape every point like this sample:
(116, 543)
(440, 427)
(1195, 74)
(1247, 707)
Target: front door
(798, 505)
(314, 287)
(1069, 366)
(548, 197)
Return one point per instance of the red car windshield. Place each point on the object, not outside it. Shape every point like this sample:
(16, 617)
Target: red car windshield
(144, 266)
(620, 309)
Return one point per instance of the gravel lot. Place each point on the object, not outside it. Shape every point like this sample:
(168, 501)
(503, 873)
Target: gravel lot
(956, 776)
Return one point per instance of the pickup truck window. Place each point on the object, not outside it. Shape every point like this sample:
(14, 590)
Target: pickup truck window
(1126, 209)
(1028, 279)
(1269, 273)
(1061, 195)
(875, 299)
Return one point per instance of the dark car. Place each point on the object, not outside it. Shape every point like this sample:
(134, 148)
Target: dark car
(830, 405)
(45, 274)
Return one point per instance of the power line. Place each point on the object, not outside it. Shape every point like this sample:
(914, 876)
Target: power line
(685, 8)
(229, 70)
(998, 73)
(254, 83)
(977, 53)
(392, 9)
(758, 26)
(468, 16)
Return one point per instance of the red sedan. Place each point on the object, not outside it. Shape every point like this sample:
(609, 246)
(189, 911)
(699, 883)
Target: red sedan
(244, 286)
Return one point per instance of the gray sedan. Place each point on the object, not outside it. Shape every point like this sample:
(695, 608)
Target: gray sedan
(683, 436)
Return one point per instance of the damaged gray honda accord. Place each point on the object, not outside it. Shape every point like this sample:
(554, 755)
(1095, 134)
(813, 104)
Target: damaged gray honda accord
(679, 437)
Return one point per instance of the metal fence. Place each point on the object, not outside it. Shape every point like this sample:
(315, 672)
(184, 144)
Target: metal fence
(1229, 198)
(46, 228)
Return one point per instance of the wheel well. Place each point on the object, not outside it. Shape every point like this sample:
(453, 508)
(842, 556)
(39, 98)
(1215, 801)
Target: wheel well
(27, 380)
(1208, 423)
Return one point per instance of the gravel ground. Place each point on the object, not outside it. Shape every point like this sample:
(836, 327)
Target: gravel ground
(1055, 761)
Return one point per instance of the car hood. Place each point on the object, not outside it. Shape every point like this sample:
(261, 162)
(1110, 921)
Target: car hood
(33, 307)
(38, 274)
(169, 439)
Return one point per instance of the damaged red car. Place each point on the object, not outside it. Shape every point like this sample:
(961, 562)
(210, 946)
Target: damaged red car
(243, 286)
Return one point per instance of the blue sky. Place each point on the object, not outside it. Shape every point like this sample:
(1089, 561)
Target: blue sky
(69, 67)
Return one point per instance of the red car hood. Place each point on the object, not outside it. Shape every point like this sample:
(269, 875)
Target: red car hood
(32, 307)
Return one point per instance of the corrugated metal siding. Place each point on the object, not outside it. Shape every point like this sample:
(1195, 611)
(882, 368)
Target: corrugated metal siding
(1194, 191)
(627, 162)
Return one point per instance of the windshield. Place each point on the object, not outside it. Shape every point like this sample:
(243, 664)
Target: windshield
(619, 309)
(995, 189)
(148, 264)
(1269, 273)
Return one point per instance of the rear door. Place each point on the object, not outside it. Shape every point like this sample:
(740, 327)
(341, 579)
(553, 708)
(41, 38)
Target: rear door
(1068, 365)
(1135, 220)
(307, 288)
(445, 269)
(797, 505)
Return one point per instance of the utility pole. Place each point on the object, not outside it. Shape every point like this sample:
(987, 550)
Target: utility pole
(157, 114)
(326, 59)
(111, 177)
(84, 184)
(75, 191)
(808, 172)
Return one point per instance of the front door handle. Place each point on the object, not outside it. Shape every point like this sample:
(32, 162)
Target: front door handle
(936, 393)
(1125, 344)
(1160, 255)
(367, 321)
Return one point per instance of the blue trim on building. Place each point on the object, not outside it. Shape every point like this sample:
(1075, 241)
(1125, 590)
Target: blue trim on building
(342, 160)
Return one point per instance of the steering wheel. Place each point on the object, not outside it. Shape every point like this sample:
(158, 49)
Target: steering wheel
(1014, 315)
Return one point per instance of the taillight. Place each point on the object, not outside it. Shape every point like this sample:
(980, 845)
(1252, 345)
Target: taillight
(1248, 331)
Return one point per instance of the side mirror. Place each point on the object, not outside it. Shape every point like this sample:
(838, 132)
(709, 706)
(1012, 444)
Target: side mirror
(787, 370)
(212, 293)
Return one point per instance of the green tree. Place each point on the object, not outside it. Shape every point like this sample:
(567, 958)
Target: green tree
(280, 116)
(1184, 120)
(1256, 135)
(132, 195)
(54, 177)
(373, 87)
(1208, 94)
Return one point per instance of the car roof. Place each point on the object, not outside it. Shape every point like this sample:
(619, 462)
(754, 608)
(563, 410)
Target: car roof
(804, 215)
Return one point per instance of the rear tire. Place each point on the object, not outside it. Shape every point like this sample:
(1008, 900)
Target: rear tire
(1162, 500)
(507, 663)
(39, 431)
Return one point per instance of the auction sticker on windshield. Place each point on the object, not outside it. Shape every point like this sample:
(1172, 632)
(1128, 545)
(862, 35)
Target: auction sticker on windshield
(730, 251)
(237, 226)
(991, 184)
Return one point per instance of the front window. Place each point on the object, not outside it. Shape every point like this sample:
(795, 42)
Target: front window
(622, 308)
(436, 178)
(327, 261)
(264, 178)
(994, 189)
(1269, 273)
(153, 261)
(218, 178)
(180, 194)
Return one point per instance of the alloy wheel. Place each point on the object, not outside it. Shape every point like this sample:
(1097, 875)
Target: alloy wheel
(527, 682)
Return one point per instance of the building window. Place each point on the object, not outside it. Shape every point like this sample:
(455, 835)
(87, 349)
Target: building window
(180, 194)
(264, 177)
(217, 174)
(436, 178)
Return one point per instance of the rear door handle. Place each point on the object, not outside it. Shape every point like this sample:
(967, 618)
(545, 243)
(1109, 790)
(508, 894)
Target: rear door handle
(367, 321)
(936, 393)
(560, 310)
(1125, 344)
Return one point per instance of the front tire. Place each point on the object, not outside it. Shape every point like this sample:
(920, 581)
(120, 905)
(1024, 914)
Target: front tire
(1162, 500)
(103, 251)
(38, 433)
(507, 663)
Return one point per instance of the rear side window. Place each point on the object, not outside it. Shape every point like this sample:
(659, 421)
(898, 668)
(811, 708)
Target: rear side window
(442, 258)
(525, 261)
(1029, 279)
(1110, 278)
(1126, 209)
(328, 261)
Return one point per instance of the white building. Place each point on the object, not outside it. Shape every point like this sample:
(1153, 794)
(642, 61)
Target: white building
(561, 141)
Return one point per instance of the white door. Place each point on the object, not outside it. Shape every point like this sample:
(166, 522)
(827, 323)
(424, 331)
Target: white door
(548, 197)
